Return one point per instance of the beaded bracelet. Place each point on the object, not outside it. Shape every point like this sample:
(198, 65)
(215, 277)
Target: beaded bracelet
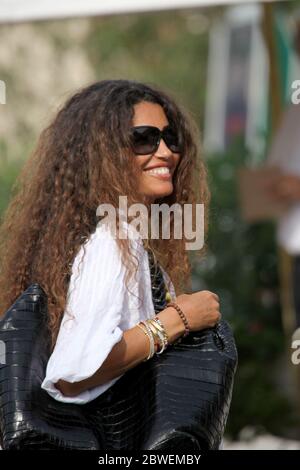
(183, 318)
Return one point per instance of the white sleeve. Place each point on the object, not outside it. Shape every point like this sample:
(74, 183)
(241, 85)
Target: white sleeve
(90, 325)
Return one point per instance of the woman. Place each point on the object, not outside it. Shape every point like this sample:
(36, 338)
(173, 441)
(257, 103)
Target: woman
(107, 141)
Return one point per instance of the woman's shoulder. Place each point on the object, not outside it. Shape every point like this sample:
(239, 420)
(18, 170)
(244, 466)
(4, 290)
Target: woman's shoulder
(108, 228)
(102, 245)
(98, 242)
(109, 233)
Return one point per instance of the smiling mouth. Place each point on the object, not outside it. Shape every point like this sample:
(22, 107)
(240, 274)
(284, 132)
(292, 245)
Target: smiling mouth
(165, 171)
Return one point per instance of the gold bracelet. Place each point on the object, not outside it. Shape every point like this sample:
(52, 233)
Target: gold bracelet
(151, 340)
(158, 328)
(159, 324)
(161, 332)
(159, 335)
(150, 337)
(158, 321)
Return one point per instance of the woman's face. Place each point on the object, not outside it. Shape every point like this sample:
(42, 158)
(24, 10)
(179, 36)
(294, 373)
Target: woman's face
(152, 184)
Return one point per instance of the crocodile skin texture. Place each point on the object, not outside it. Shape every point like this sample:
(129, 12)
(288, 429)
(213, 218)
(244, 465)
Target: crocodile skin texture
(157, 284)
(177, 401)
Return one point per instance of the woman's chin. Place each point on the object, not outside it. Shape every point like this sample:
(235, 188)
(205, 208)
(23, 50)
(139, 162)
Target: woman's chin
(157, 193)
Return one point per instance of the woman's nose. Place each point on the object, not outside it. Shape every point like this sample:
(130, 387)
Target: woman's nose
(163, 150)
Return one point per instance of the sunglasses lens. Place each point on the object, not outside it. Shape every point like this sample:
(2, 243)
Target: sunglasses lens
(144, 139)
(171, 138)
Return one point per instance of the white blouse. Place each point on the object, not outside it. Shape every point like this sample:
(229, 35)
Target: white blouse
(99, 309)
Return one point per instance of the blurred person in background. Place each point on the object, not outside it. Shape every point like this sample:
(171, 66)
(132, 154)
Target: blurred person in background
(285, 155)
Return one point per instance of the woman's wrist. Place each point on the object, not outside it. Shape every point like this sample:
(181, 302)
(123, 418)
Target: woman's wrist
(172, 323)
(164, 328)
(182, 316)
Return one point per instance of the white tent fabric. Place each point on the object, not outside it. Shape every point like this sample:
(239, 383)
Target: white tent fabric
(29, 10)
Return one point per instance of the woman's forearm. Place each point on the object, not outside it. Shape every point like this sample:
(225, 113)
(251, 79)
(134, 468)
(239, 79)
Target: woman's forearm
(126, 354)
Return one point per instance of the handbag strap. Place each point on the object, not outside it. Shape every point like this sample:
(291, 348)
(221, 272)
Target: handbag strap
(158, 286)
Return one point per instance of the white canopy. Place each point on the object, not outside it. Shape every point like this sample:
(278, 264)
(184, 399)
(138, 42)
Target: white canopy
(29, 10)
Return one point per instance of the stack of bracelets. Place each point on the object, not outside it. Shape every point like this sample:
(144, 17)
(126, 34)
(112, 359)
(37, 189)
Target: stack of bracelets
(157, 334)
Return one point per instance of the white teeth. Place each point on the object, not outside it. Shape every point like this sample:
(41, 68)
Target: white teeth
(159, 171)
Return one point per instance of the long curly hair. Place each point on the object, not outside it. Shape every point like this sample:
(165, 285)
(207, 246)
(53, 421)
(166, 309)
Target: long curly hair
(83, 159)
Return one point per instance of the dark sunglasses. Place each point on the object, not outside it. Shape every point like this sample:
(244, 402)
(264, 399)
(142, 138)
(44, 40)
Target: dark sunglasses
(145, 140)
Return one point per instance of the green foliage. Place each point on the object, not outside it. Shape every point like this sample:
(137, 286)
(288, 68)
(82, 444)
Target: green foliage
(166, 49)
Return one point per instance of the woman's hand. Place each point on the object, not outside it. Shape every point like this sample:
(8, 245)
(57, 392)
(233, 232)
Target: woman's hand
(202, 309)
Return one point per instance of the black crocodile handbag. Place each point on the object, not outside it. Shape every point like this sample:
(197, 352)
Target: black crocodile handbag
(177, 401)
